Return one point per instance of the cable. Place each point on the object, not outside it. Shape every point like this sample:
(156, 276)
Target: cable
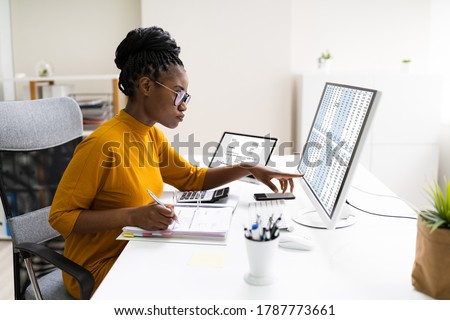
(408, 203)
(379, 214)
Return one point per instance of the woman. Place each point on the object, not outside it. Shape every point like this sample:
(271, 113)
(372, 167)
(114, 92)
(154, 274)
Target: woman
(104, 186)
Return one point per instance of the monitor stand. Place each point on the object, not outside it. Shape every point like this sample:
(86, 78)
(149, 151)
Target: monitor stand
(309, 217)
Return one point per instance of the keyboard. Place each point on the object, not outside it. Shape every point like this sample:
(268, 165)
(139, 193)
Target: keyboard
(266, 209)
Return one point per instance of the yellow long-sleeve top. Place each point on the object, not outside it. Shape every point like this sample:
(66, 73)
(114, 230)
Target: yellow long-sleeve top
(110, 169)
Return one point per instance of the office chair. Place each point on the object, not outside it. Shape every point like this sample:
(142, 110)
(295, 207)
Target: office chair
(37, 140)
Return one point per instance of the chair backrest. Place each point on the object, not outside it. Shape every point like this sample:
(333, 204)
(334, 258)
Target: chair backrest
(39, 124)
(37, 140)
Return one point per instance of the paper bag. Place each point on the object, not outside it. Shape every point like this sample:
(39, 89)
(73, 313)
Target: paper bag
(431, 271)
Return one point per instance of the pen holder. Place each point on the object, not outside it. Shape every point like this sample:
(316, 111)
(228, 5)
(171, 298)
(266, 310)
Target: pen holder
(261, 259)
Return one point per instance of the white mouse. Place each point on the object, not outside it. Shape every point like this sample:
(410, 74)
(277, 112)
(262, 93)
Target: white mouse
(295, 242)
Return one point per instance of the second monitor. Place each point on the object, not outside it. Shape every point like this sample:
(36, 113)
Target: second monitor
(235, 148)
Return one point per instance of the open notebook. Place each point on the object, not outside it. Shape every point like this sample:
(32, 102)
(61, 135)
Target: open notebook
(202, 225)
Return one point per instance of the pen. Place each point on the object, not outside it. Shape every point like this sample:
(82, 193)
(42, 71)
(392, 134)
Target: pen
(160, 203)
(255, 232)
(275, 229)
(263, 235)
(248, 233)
(267, 236)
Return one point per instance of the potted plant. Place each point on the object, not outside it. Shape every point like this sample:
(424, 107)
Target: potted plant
(324, 61)
(406, 66)
(43, 69)
(432, 262)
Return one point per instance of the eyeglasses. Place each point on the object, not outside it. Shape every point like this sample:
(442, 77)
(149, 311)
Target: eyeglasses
(181, 96)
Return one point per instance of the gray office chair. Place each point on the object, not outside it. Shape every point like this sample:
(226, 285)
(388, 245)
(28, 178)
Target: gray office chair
(37, 140)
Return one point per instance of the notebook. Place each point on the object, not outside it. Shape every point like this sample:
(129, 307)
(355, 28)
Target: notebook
(201, 224)
(235, 148)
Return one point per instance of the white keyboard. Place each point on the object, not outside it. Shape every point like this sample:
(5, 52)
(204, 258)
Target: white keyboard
(266, 209)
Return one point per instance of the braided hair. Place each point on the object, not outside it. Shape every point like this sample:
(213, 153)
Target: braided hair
(145, 51)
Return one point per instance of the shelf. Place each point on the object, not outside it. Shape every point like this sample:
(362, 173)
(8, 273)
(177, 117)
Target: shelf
(34, 81)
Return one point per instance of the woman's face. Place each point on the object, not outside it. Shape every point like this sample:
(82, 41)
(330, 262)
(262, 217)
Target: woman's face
(160, 101)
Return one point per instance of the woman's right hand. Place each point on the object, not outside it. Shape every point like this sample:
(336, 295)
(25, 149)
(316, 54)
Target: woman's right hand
(153, 216)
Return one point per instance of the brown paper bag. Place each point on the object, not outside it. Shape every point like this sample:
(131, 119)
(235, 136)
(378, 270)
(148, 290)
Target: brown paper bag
(431, 271)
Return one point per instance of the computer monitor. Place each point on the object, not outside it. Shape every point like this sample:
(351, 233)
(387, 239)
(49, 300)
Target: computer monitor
(236, 148)
(331, 152)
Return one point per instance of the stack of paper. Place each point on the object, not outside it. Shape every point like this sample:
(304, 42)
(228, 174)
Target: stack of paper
(96, 109)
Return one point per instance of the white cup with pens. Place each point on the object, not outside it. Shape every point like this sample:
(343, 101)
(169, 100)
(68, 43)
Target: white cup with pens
(262, 246)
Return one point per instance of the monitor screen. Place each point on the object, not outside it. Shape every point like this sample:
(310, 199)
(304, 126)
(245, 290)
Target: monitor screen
(235, 148)
(330, 154)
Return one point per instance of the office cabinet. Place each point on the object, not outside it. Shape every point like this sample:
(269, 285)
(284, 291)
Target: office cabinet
(402, 145)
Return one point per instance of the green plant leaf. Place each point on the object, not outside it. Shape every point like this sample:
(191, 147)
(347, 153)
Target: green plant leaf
(325, 55)
(447, 209)
(438, 216)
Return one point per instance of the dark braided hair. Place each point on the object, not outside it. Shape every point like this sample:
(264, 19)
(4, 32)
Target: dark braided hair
(145, 52)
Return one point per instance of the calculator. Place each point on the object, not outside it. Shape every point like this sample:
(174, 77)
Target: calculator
(204, 196)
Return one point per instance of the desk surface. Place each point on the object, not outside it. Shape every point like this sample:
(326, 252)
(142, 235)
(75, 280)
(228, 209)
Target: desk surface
(372, 259)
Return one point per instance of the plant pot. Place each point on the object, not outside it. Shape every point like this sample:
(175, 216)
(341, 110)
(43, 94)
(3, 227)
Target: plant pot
(325, 65)
(406, 68)
(431, 270)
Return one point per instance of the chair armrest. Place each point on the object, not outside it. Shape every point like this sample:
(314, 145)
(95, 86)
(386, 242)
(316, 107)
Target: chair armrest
(84, 277)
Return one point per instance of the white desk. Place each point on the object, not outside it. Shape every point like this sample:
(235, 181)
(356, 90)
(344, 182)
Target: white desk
(373, 259)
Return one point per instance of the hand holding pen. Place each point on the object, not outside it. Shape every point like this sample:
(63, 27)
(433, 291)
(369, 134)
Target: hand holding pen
(150, 217)
(158, 201)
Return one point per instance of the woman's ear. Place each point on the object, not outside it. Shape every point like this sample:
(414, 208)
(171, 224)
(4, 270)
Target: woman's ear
(144, 84)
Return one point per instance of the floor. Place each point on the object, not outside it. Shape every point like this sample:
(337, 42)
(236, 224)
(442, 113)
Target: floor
(6, 271)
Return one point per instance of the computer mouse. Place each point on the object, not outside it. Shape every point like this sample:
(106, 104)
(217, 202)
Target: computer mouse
(297, 242)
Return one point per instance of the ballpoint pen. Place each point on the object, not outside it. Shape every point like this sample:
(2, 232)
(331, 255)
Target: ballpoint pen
(160, 203)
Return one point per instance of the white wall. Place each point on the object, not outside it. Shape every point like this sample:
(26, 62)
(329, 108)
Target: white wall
(243, 47)
(363, 36)
(237, 55)
(76, 37)
(439, 44)
(440, 51)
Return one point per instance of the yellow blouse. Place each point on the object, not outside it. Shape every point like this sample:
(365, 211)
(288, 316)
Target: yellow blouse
(113, 168)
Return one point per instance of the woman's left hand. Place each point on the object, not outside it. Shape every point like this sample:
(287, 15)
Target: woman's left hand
(266, 174)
